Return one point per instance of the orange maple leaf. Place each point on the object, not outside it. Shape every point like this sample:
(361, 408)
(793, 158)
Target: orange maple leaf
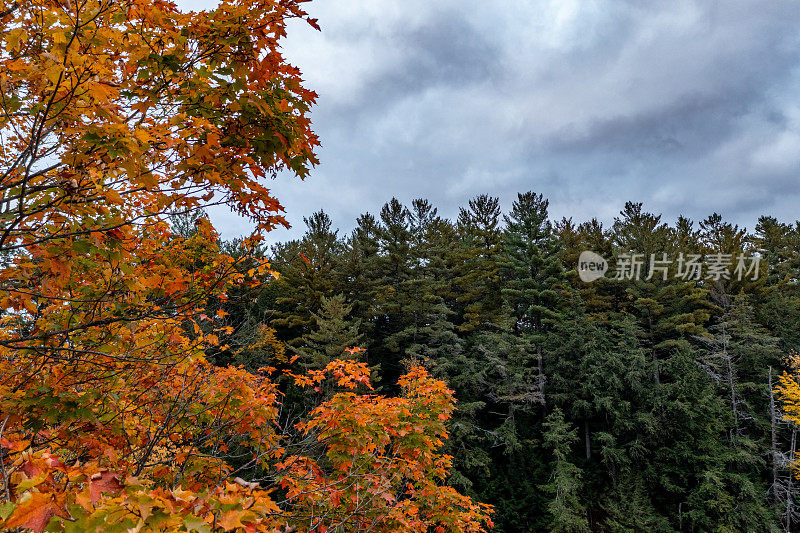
(104, 482)
(34, 512)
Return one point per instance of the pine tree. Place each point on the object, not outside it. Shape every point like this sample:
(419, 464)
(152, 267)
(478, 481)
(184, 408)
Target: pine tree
(333, 332)
(572, 241)
(628, 507)
(779, 301)
(637, 231)
(532, 273)
(184, 223)
(531, 266)
(307, 276)
(738, 356)
(669, 309)
(689, 442)
(477, 280)
(567, 512)
(718, 236)
(429, 329)
(359, 273)
(261, 348)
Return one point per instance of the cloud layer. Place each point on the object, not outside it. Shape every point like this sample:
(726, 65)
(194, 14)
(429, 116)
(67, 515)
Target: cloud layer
(689, 106)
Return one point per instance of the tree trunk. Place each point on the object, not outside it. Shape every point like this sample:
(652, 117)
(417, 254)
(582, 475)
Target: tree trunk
(540, 363)
(732, 385)
(731, 379)
(789, 488)
(587, 438)
(656, 373)
(773, 440)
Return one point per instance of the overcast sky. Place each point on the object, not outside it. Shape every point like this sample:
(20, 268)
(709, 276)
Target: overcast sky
(688, 106)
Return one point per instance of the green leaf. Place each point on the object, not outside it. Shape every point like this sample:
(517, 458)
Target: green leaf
(6, 509)
(194, 523)
(81, 246)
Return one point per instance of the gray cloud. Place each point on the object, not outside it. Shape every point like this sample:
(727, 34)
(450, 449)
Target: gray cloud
(686, 105)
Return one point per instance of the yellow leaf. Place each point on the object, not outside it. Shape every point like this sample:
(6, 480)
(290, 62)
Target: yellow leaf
(14, 38)
(53, 73)
(142, 135)
(100, 92)
(60, 36)
(113, 196)
(29, 305)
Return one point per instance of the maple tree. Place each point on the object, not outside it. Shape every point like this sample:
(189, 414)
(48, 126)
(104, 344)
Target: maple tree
(113, 115)
(788, 390)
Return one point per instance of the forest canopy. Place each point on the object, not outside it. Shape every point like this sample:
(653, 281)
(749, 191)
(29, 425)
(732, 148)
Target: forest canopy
(116, 115)
(417, 374)
(628, 403)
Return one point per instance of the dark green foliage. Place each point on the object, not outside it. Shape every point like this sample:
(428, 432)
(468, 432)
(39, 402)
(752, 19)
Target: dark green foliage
(333, 332)
(307, 276)
(532, 268)
(567, 511)
(184, 223)
(477, 276)
(617, 405)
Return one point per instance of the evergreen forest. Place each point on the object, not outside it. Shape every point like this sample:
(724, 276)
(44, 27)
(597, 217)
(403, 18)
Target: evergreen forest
(624, 404)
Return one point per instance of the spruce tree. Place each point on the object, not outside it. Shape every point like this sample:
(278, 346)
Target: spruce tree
(567, 511)
(532, 274)
(333, 332)
(477, 279)
(306, 269)
(429, 329)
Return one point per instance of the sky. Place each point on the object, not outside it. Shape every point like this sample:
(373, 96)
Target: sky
(691, 107)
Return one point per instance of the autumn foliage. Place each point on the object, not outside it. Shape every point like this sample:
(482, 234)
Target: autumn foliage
(789, 391)
(376, 466)
(114, 114)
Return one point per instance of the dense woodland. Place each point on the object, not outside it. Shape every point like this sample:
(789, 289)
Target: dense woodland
(114, 115)
(617, 405)
(155, 378)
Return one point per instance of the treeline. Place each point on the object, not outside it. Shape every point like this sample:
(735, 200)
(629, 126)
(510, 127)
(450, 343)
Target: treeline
(616, 405)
